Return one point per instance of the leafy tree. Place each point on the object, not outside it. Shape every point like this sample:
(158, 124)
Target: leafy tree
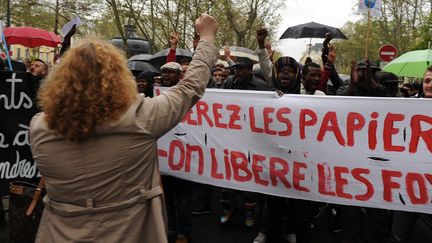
(156, 19)
(403, 23)
(424, 34)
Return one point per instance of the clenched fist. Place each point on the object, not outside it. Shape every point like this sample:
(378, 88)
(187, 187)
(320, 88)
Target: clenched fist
(206, 27)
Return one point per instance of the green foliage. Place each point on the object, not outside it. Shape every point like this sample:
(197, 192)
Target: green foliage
(43, 13)
(404, 23)
(238, 20)
(154, 19)
(424, 39)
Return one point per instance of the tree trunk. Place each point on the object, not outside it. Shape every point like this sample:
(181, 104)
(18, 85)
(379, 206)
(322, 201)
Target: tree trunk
(56, 17)
(113, 5)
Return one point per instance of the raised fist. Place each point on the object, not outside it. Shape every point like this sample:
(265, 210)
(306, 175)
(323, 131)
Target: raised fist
(206, 27)
(227, 53)
(261, 34)
(174, 38)
(331, 57)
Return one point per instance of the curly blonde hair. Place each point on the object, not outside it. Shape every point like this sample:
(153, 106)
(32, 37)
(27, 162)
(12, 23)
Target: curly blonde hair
(90, 86)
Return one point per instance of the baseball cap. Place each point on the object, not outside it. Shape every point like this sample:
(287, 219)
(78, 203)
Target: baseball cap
(362, 65)
(243, 62)
(386, 77)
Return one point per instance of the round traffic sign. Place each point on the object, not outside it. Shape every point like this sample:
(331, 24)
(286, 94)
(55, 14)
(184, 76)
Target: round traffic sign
(387, 52)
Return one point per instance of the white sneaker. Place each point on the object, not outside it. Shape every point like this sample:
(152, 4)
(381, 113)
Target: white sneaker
(261, 238)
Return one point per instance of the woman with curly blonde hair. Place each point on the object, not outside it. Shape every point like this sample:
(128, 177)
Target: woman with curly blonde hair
(88, 88)
(95, 143)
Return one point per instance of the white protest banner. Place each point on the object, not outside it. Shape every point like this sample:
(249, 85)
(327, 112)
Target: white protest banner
(373, 152)
(372, 6)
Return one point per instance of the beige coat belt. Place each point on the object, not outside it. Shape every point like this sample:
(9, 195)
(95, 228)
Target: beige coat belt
(67, 209)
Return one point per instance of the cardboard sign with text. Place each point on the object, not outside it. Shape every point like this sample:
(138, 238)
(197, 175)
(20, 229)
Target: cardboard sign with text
(17, 107)
(373, 152)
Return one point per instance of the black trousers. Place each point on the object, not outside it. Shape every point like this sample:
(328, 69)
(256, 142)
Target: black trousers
(402, 227)
(284, 215)
(178, 199)
(361, 225)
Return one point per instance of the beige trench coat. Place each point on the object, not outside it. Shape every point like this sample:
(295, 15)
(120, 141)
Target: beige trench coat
(107, 189)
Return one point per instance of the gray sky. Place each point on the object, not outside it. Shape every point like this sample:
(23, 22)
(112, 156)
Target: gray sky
(334, 13)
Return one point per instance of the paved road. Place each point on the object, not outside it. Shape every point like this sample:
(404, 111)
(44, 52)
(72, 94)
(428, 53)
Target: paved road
(206, 229)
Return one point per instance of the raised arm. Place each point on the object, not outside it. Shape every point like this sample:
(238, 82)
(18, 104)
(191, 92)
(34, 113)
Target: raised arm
(174, 38)
(264, 58)
(165, 111)
(67, 40)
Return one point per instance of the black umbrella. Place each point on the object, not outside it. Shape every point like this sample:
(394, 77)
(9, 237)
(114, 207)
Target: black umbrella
(312, 30)
(159, 58)
(137, 67)
(140, 57)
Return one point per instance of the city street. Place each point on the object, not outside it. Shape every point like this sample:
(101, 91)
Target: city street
(206, 229)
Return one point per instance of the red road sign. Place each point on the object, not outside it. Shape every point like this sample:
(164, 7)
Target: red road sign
(387, 52)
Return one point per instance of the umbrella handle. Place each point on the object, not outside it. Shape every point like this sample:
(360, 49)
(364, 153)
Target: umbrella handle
(7, 51)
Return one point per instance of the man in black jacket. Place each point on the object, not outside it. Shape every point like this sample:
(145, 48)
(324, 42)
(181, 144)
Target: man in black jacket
(243, 79)
(363, 81)
(363, 224)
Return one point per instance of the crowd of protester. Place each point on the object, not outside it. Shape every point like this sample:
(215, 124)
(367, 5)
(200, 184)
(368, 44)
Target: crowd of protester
(291, 220)
(285, 219)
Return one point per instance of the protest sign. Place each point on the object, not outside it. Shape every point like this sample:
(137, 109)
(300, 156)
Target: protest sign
(17, 107)
(363, 151)
(69, 25)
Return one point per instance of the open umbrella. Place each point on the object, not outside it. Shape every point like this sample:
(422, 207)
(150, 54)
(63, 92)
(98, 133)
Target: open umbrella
(411, 64)
(238, 51)
(312, 30)
(141, 57)
(159, 58)
(31, 37)
(137, 67)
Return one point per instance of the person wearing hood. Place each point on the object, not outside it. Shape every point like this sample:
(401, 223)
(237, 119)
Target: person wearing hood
(145, 82)
(286, 80)
(286, 75)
